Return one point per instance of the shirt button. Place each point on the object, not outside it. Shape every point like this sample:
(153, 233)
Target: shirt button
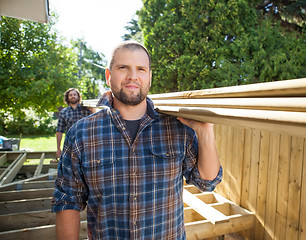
(114, 111)
(135, 198)
(123, 128)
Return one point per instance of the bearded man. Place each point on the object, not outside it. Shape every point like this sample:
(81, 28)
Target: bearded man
(69, 115)
(125, 164)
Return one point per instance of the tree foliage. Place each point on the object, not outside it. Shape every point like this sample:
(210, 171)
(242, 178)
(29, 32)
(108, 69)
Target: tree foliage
(91, 74)
(198, 44)
(34, 68)
(134, 32)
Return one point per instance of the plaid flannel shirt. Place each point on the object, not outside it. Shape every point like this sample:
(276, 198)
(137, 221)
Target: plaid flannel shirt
(68, 116)
(132, 190)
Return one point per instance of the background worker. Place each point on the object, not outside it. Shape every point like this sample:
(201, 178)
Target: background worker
(69, 115)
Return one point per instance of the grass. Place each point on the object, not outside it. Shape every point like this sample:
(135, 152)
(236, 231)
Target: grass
(37, 142)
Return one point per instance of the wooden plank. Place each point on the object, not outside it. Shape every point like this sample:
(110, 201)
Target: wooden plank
(13, 170)
(288, 88)
(11, 155)
(245, 188)
(30, 219)
(3, 159)
(25, 194)
(282, 187)
(277, 103)
(294, 194)
(293, 123)
(236, 164)
(209, 213)
(19, 206)
(32, 168)
(262, 185)
(40, 165)
(227, 161)
(302, 228)
(271, 186)
(29, 185)
(204, 229)
(36, 233)
(8, 168)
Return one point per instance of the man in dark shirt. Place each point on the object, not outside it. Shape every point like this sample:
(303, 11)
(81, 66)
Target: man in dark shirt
(69, 115)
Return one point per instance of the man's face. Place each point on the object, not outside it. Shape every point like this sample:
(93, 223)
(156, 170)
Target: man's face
(130, 77)
(73, 97)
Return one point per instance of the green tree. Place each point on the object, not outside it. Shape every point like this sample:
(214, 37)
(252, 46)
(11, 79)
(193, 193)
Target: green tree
(91, 72)
(198, 44)
(34, 69)
(134, 32)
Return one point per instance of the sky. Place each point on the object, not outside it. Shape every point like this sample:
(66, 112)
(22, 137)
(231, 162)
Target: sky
(99, 22)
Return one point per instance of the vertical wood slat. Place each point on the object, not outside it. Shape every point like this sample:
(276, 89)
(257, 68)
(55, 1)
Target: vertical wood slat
(236, 164)
(282, 187)
(246, 169)
(294, 193)
(262, 184)
(40, 165)
(3, 159)
(271, 186)
(302, 229)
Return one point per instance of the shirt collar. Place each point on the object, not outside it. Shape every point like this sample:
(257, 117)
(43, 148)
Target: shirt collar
(78, 106)
(107, 100)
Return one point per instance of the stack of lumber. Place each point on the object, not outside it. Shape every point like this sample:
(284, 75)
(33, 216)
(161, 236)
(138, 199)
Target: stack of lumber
(273, 106)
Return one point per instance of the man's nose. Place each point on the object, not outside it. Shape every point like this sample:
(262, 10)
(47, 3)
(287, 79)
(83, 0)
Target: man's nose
(133, 74)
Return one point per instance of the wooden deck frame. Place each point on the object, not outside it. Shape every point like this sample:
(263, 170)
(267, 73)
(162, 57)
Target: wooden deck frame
(25, 208)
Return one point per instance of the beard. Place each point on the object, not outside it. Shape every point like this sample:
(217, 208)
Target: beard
(130, 98)
(74, 100)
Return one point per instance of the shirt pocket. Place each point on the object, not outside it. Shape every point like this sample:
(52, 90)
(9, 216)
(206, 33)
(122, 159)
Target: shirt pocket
(98, 174)
(167, 165)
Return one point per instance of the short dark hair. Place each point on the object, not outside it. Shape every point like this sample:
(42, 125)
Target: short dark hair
(131, 45)
(66, 99)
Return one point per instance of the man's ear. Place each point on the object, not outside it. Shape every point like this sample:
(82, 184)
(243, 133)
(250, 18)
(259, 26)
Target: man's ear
(107, 76)
(150, 77)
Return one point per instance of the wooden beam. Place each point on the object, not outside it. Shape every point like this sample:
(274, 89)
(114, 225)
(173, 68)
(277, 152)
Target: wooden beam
(3, 159)
(30, 219)
(19, 206)
(287, 88)
(32, 168)
(28, 185)
(48, 232)
(10, 173)
(293, 123)
(208, 212)
(40, 165)
(25, 194)
(11, 155)
(276, 104)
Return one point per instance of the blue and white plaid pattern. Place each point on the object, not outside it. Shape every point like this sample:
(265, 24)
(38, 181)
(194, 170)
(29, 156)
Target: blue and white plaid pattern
(133, 190)
(68, 116)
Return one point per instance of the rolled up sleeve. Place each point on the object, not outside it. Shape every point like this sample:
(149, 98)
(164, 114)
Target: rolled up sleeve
(70, 189)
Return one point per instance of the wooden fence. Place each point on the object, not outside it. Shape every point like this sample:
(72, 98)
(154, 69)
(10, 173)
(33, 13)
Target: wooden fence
(260, 134)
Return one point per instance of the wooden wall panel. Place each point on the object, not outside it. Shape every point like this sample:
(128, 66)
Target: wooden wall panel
(282, 187)
(294, 193)
(264, 172)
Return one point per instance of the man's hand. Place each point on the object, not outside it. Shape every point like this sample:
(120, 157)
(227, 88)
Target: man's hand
(58, 153)
(208, 160)
(199, 127)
